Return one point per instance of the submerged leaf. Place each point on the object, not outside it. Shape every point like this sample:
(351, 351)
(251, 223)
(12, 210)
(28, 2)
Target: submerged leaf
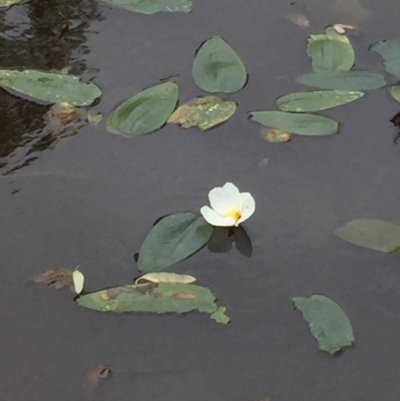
(217, 68)
(314, 101)
(275, 135)
(146, 111)
(152, 298)
(390, 52)
(166, 278)
(343, 80)
(328, 323)
(219, 315)
(50, 87)
(57, 278)
(173, 239)
(330, 51)
(378, 235)
(301, 124)
(204, 112)
(153, 6)
(94, 118)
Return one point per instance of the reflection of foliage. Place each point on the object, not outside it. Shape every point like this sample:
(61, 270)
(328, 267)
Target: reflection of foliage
(223, 238)
(49, 35)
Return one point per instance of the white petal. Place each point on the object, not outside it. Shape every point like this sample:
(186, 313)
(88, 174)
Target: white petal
(215, 219)
(248, 208)
(223, 199)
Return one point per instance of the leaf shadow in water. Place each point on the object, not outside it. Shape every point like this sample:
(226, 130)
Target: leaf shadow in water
(223, 238)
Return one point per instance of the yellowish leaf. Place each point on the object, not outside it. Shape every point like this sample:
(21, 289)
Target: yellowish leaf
(78, 280)
(167, 278)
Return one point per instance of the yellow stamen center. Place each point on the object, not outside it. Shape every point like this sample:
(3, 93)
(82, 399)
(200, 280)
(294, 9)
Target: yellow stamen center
(233, 212)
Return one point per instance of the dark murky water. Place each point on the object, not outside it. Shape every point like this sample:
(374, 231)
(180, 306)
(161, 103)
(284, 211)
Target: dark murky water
(91, 197)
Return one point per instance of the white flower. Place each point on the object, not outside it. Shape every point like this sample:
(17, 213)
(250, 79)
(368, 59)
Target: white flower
(229, 207)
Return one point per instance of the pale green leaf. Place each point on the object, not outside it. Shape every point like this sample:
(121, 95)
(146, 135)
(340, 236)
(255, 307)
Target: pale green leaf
(394, 91)
(327, 321)
(219, 315)
(390, 52)
(153, 6)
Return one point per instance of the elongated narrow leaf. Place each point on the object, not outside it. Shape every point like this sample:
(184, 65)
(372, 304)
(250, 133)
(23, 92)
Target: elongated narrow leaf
(302, 124)
(50, 87)
(390, 52)
(394, 91)
(165, 277)
(154, 298)
(330, 52)
(153, 6)
(173, 239)
(314, 101)
(146, 111)
(217, 68)
(374, 234)
(328, 323)
(204, 112)
(343, 80)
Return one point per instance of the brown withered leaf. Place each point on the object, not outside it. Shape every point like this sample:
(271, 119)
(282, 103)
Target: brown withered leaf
(57, 278)
(273, 135)
(100, 372)
(396, 120)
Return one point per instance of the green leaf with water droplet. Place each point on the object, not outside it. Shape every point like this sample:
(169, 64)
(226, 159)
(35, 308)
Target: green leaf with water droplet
(375, 234)
(50, 87)
(217, 67)
(144, 112)
(390, 52)
(327, 321)
(301, 102)
(204, 112)
(295, 123)
(153, 6)
(330, 51)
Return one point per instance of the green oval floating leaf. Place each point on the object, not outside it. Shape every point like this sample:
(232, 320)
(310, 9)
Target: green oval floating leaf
(394, 91)
(217, 68)
(50, 87)
(154, 298)
(204, 112)
(301, 102)
(144, 112)
(378, 235)
(153, 6)
(173, 239)
(390, 52)
(328, 323)
(301, 124)
(343, 80)
(330, 51)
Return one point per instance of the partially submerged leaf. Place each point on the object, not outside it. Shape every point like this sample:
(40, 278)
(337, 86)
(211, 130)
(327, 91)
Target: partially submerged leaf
(315, 101)
(341, 29)
(343, 80)
(166, 278)
(100, 372)
(78, 280)
(144, 112)
(153, 6)
(219, 315)
(204, 112)
(330, 51)
(57, 278)
(94, 118)
(275, 135)
(390, 52)
(50, 87)
(302, 124)
(328, 323)
(8, 3)
(394, 91)
(378, 235)
(173, 239)
(217, 68)
(152, 298)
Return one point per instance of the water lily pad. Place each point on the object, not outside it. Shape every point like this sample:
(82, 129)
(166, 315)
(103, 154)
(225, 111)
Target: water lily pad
(204, 112)
(173, 239)
(166, 277)
(330, 51)
(217, 68)
(50, 87)
(378, 235)
(144, 112)
(343, 80)
(314, 101)
(301, 124)
(328, 323)
(394, 91)
(153, 298)
(390, 52)
(153, 6)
